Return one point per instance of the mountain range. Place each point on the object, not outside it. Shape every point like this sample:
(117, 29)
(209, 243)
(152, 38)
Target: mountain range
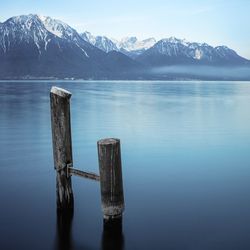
(33, 46)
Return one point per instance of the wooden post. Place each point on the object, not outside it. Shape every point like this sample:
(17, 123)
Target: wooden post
(111, 178)
(62, 148)
(64, 239)
(112, 235)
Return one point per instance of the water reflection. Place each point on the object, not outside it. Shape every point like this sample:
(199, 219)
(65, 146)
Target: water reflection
(199, 136)
(64, 230)
(112, 236)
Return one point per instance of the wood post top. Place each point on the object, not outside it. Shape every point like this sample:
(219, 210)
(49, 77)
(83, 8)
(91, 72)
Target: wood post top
(60, 92)
(108, 141)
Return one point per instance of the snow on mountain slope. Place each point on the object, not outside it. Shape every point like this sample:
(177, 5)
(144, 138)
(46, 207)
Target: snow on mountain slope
(32, 45)
(88, 37)
(56, 27)
(105, 44)
(173, 50)
(101, 42)
(132, 43)
(42, 46)
(25, 29)
(130, 46)
(40, 30)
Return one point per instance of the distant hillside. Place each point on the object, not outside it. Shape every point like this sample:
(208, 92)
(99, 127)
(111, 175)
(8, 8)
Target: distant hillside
(33, 46)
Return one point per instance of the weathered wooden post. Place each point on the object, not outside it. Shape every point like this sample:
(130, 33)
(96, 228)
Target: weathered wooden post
(112, 235)
(64, 239)
(62, 148)
(110, 167)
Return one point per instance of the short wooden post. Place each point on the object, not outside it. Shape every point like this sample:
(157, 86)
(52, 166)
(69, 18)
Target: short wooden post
(112, 235)
(110, 167)
(62, 147)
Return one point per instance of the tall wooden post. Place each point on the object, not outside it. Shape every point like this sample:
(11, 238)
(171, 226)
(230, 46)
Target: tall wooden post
(62, 146)
(112, 235)
(110, 167)
(64, 239)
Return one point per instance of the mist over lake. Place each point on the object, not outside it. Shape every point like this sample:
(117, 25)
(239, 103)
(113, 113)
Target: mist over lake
(203, 71)
(185, 154)
(40, 47)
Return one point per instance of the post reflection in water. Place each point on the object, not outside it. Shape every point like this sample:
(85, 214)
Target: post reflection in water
(64, 230)
(112, 236)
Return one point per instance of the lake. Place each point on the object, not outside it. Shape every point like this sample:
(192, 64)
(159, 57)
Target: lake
(185, 150)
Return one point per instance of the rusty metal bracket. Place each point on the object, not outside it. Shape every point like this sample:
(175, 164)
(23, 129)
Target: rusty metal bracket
(73, 171)
(63, 167)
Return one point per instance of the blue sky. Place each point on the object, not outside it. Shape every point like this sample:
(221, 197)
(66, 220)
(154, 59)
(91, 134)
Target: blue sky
(217, 22)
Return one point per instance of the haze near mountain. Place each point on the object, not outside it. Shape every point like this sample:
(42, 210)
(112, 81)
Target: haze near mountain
(33, 46)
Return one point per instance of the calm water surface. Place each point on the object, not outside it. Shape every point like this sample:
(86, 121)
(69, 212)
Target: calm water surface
(186, 165)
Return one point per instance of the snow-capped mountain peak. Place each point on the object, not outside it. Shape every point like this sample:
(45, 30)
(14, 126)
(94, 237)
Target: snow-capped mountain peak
(105, 44)
(146, 43)
(40, 30)
(125, 45)
(23, 22)
(28, 28)
(33, 21)
(54, 26)
(172, 39)
(59, 28)
(128, 43)
(88, 37)
(40, 46)
(101, 42)
(132, 43)
(175, 50)
(42, 18)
